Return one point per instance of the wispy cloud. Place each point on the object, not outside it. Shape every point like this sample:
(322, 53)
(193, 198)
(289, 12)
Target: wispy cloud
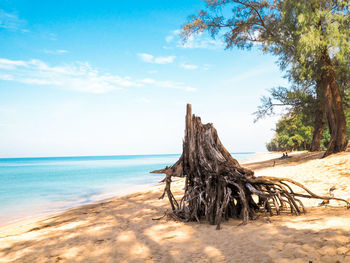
(148, 58)
(11, 21)
(188, 66)
(58, 51)
(11, 64)
(52, 36)
(169, 38)
(75, 76)
(174, 35)
(199, 41)
(168, 84)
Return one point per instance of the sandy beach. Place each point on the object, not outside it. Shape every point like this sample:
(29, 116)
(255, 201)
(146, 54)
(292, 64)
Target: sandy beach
(122, 230)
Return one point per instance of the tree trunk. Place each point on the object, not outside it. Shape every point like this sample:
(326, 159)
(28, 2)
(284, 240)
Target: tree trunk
(334, 107)
(319, 120)
(217, 187)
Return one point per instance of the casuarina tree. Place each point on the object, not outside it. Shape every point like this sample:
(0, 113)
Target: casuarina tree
(309, 38)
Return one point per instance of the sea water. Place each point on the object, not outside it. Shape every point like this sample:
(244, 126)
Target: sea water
(34, 186)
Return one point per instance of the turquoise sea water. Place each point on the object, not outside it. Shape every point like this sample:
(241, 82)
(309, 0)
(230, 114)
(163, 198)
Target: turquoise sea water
(33, 186)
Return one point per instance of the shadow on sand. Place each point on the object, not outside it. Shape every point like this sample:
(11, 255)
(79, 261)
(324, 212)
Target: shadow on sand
(122, 230)
(292, 160)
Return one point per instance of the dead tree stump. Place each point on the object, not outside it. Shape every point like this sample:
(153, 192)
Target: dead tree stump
(217, 187)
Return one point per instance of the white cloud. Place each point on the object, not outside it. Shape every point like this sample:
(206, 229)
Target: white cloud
(188, 66)
(75, 76)
(148, 81)
(10, 64)
(168, 84)
(199, 41)
(148, 58)
(11, 21)
(52, 36)
(170, 38)
(164, 60)
(173, 35)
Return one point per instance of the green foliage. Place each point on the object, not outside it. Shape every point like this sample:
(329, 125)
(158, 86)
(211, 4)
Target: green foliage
(294, 29)
(298, 32)
(301, 34)
(326, 137)
(291, 134)
(296, 98)
(294, 131)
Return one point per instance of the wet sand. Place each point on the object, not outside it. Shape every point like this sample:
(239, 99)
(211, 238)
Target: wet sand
(122, 229)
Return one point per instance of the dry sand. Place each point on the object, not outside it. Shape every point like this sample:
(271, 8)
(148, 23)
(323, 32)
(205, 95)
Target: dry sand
(122, 229)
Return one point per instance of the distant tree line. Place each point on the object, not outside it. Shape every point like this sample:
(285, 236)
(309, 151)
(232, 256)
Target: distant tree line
(296, 129)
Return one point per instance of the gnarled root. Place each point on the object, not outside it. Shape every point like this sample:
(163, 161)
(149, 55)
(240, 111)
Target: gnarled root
(217, 187)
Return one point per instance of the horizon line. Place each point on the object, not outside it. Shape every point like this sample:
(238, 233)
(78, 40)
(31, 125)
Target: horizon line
(113, 155)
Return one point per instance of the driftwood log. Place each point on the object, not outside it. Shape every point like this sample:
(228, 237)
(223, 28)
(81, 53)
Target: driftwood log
(217, 187)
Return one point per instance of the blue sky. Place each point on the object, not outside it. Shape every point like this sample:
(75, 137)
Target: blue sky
(112, 77)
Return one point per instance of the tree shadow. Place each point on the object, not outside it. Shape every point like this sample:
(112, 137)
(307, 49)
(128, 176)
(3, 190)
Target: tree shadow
(293, 160)
(122, 230)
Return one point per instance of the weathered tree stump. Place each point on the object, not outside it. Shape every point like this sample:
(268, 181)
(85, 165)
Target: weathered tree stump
(217, 187)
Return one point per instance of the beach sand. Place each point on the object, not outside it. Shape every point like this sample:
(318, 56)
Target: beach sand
(122, 229)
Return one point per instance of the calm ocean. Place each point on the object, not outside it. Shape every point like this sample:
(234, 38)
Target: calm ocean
(33, 186)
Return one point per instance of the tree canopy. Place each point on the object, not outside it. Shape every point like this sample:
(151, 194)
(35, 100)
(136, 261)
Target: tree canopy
(311, 41)
(294, 132)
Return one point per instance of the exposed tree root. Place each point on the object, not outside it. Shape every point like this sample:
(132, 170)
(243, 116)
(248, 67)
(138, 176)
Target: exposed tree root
(217, 187)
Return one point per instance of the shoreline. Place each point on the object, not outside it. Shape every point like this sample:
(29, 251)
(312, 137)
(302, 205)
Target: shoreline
(260, 158)
(55, 212)
(61, 206)
(122, 229)
(52, 210)
(132, 189)
(257, 158)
